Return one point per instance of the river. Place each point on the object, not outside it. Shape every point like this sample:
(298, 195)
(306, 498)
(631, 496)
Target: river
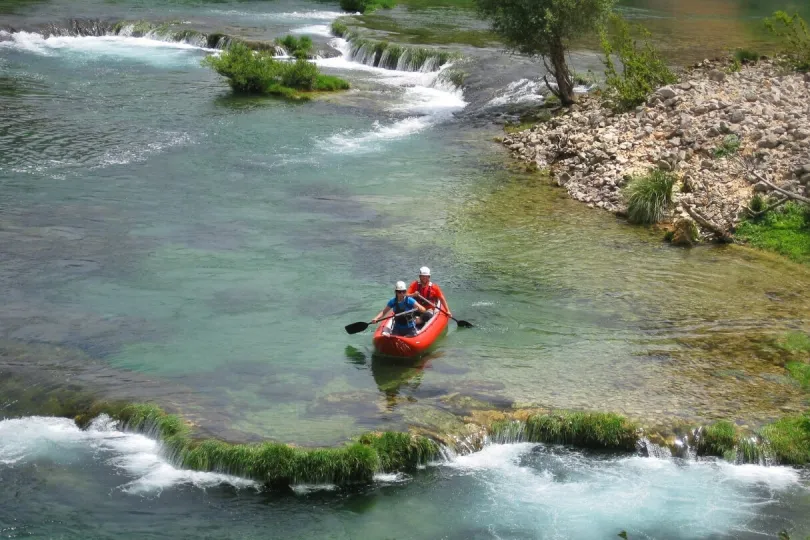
(163, 240)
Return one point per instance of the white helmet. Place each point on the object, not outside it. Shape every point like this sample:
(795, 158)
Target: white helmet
(400, 286)
(424, 271)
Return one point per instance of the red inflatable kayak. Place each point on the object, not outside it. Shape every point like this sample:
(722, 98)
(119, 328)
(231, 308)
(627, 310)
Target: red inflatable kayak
(390, 345)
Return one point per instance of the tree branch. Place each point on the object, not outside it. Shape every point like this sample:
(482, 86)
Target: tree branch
(786, 193)
(722, 234)
(767, 209)
(747, 167)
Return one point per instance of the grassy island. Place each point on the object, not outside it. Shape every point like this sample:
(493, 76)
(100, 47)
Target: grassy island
(259, 72)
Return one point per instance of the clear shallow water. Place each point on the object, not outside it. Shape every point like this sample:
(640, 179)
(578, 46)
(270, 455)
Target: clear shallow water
(220, 244)
(205, 252)
(102, 483)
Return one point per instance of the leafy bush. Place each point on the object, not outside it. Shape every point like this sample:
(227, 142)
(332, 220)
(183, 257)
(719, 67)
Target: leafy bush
(649, 197)
(299, 48)
(250, 72)
(366, 6)
(793, 30)
(643, 70)
(301, 75)
(729, 146)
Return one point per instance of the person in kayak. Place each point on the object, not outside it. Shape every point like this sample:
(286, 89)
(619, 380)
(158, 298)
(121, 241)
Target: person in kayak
(431, 292)
(404, 325)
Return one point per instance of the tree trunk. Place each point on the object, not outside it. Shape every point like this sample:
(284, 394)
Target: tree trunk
(561, 73)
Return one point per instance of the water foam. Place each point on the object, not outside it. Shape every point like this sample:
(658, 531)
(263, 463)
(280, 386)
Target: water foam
(314, 15)
(138, 457)
(141, 48)
(426, 100)
(574, 495)
(527, 91)
(314, 29)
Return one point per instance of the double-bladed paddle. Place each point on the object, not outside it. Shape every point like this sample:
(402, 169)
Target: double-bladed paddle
(462, 324)
(358, 327)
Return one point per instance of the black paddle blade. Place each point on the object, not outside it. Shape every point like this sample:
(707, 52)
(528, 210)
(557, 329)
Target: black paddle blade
(464, 324)
(357, 327)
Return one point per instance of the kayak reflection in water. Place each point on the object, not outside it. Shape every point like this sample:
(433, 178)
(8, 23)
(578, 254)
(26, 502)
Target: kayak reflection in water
(405, 324)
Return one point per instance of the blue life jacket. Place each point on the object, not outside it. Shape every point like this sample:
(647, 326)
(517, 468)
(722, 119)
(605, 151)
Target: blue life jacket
(405, 321)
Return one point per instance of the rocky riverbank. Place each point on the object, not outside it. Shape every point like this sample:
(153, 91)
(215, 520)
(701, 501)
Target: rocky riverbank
(716, 130)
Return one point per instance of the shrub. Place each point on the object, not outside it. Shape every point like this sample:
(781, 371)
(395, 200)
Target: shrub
(643, 70)
(299, 48)
(301, 75)
(366, 6)
(793, 30)
(250, 72)
(339, 28)
(649, 197)
(729, 146)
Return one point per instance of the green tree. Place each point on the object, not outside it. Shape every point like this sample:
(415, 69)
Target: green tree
(546, 28)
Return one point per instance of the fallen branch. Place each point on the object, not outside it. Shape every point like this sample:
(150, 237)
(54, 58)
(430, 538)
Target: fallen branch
(767, 209)
(719, 232)
(786, 193)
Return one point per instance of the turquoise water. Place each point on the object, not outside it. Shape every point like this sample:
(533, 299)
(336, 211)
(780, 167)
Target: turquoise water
(206, 251)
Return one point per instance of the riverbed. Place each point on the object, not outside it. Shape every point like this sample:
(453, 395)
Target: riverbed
(163, 240)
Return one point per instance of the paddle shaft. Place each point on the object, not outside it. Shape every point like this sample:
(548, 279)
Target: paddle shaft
(460, 323)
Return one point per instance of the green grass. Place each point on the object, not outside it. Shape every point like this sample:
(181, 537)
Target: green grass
(796, 343)
(274, 464)
(729, 147)
(784, 230)
(400, 451)
(649, 196)
(718, 439)
(746, 56)
(789, 439)
(366, 6)
(585, 430)
(800, 372)
(300, 48)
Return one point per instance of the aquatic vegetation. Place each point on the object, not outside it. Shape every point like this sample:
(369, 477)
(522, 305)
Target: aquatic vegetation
(649, 197)
(582, 429)
(684, 233)
(746, 56)
(800, 372)
(250, 72)
(300, 48)
(729, 147)
(797, 343)
(643, 68)
(366, 6)
(275, 464)
(718, 439)
(400, 451)
(789, 439)
(783, 230)
(794, 33)
(339, 28)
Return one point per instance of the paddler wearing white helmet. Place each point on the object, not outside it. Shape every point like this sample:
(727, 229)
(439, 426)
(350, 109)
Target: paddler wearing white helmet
(404, 325)
(425, 291)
